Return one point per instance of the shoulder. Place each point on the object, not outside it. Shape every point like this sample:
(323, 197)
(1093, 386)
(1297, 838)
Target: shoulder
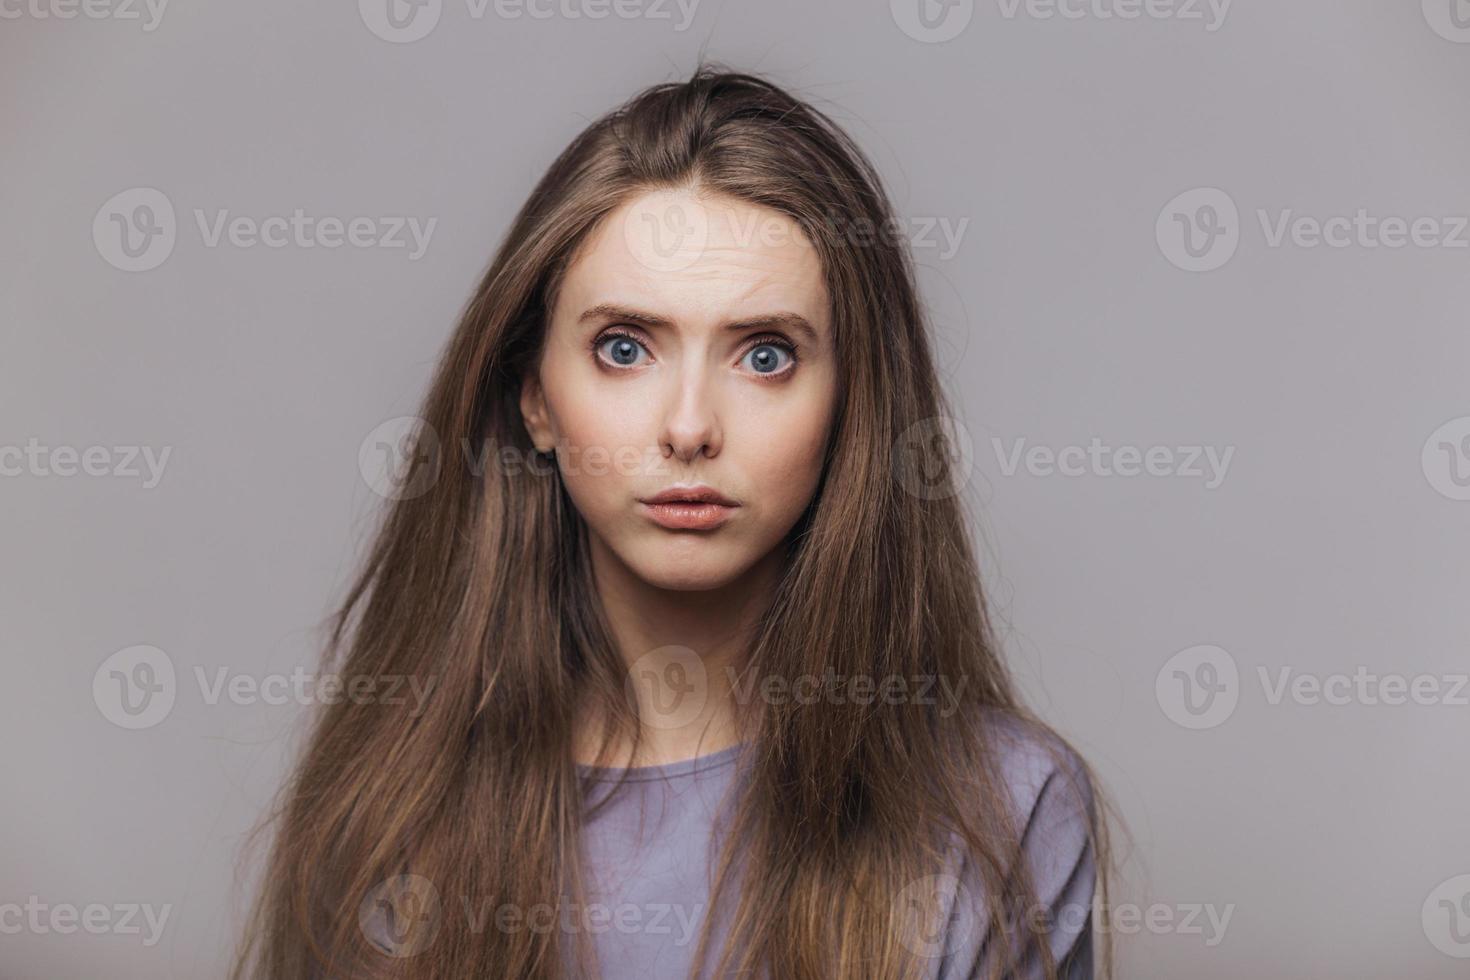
(1046, 778)
(1052, 810)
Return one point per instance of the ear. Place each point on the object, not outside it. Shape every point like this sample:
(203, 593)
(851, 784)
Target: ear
(534, 415)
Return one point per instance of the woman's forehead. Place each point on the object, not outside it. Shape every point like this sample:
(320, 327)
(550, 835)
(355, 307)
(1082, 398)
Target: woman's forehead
(682, 258)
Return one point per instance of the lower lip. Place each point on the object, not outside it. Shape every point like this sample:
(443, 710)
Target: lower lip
(689, 516)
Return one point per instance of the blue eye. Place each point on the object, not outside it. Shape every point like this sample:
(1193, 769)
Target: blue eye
(765, 357)
(622, 349)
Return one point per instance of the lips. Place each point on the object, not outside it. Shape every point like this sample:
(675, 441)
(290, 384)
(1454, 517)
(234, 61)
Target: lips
(690, 495)
(696, 508)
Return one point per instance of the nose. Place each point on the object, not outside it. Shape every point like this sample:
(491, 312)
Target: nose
(691, 423)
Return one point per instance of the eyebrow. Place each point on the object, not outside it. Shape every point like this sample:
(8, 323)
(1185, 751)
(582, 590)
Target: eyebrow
(765, 321)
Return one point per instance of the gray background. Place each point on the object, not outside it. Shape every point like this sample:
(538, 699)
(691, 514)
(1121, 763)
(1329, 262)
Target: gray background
(1331, 829)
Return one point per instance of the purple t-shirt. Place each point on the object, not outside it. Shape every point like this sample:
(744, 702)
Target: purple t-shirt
(649, 863)
(649, 856)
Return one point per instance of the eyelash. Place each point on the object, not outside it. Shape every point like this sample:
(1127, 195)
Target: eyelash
(763, 340)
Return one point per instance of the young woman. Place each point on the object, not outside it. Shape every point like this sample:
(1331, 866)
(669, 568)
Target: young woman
(682, 563)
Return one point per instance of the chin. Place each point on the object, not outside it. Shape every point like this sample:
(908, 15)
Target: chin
(693, 564)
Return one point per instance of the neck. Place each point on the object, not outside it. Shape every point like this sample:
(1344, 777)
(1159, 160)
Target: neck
(681, 648)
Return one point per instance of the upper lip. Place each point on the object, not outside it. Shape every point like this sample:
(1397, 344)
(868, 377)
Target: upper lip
(698, 494)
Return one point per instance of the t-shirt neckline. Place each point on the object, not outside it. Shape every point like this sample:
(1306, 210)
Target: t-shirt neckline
(681, 767)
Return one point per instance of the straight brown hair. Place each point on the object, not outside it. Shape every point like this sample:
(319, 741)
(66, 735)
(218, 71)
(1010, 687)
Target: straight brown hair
(479, 583)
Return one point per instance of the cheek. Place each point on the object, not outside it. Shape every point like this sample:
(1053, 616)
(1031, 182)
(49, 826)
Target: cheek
(601, 454)
(600, 427)
(782, 456)
(596, 417)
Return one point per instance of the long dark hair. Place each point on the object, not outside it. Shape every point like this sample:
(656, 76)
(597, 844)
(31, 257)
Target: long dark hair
(480, 582)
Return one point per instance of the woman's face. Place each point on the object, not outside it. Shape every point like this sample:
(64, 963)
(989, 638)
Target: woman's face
(669, 362)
